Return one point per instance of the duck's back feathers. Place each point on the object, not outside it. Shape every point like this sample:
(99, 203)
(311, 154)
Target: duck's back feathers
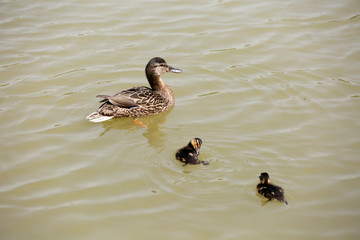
(271, 191)
(187, 155)
(143, 96)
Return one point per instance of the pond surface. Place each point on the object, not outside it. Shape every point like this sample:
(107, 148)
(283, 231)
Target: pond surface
(267, 85)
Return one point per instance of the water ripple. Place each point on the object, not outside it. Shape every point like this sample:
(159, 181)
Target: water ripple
(267, 86)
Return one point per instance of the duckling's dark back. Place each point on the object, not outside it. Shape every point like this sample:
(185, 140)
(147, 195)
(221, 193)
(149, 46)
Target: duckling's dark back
(187, 155)
(269, 190)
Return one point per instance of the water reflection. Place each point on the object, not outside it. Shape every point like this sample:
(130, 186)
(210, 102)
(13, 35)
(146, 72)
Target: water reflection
(153, 133)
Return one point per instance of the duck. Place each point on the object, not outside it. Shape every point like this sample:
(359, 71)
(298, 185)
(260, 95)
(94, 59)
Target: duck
(139, 101)
(190, 153)
(269, 190)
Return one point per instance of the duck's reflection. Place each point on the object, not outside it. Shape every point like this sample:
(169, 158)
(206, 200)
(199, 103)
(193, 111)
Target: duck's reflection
(152, 125)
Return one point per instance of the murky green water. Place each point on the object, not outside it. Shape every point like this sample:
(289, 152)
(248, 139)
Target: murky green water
(267, 85)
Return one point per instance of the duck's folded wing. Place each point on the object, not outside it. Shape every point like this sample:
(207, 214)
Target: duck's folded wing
(119, 100)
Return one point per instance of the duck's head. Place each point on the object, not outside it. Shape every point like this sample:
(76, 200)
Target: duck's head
(196, 144)
(158, 66)
(264, 178)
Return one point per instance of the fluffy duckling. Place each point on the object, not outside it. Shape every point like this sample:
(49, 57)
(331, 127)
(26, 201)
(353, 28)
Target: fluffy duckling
(189, 153)
(269, 190)
(139, 101)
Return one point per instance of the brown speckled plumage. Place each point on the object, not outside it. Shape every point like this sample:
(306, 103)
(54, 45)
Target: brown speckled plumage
(139, 101)
(148, 103)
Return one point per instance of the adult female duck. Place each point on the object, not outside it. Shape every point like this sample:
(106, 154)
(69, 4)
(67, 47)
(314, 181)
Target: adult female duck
(139, 101)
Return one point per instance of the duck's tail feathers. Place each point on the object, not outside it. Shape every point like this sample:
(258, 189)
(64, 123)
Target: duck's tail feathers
(97, 117)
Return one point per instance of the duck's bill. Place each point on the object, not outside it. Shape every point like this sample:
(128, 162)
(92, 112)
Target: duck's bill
(174, 70)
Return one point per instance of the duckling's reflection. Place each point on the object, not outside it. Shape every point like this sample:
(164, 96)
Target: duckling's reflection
(155, 136)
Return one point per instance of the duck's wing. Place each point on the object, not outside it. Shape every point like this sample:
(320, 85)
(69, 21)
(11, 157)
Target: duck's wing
(132, 97)
(119, 100)
(142, 95)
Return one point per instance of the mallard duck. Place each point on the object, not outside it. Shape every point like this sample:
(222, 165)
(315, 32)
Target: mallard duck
(139, 101)
(189, 153)
(269, 190)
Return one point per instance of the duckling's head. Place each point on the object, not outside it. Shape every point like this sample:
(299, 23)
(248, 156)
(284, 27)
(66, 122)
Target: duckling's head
(158, 66)
(264, 178)
(196, 144)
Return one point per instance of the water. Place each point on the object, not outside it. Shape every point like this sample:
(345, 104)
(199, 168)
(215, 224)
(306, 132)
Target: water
(267, 85)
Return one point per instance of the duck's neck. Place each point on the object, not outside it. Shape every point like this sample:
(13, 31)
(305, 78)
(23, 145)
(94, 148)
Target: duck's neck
(158, 86)
(155, 81)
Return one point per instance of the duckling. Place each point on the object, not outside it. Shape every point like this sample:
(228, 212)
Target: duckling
(139, 101)
(269, 190)
(189, 153)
